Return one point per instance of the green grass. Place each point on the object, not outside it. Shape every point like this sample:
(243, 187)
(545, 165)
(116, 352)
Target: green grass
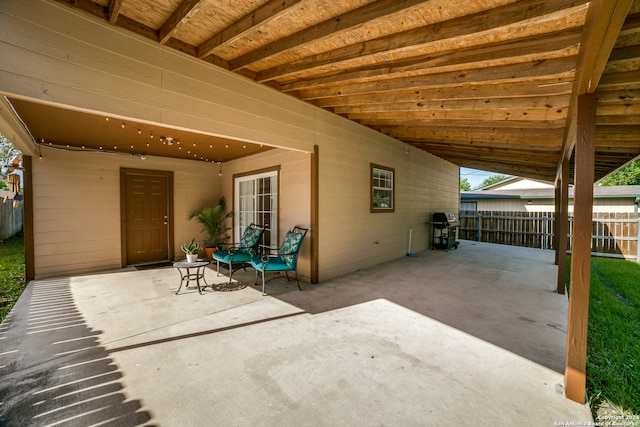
(613, 339)
(12, 277)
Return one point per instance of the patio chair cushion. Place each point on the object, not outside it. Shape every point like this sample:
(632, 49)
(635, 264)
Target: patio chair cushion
(291, 245)
(249, 241)
(238, 256)
(274, 264)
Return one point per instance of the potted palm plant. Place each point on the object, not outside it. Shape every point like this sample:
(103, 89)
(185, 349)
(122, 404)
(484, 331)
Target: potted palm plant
(213, 221)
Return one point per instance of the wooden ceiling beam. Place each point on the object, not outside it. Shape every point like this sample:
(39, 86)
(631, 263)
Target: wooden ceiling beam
(526, 140)
(561, 68)
(444, 130)
(343, 22)
(114, 10)
(137, 27)
(605, 19)
(89, 7)
(185, 9)
(497, 124)
(623, 60)
(480, 144)
(519, 114)
(619, 110)
(548, 46)
(539, 173)
(515, 157)
(511, 14)
(617, 120)
(263, 15)
(501, 90)
(551, 102)
(617, 97)
(620, 81)
(621, 149)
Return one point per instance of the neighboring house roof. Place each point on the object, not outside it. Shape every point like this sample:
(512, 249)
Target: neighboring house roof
(497, 185)
(619, 191)
(515, 182)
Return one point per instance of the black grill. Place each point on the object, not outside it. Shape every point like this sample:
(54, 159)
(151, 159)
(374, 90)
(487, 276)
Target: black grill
(445, 226)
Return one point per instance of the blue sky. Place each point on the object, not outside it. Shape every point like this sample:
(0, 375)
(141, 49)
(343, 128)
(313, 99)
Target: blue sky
(475, 176)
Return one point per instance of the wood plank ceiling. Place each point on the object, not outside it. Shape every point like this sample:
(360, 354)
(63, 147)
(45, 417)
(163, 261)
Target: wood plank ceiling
(484, 84)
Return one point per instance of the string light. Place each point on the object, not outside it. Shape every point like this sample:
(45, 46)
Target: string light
(141, 130)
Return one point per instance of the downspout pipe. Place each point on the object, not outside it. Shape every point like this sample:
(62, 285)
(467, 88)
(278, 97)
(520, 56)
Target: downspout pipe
(635, 204)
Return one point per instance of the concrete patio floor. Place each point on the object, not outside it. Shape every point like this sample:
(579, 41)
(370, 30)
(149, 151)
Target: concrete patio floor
(471, 337)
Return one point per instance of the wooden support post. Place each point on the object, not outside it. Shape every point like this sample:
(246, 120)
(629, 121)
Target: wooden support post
(562, 220)
(576, 360)
(556, 223)
(315, 209)
(29, 257)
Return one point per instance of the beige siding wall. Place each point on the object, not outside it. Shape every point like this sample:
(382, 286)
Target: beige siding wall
(294, 197)
(351, 237)
(65, 58)
(77, 207)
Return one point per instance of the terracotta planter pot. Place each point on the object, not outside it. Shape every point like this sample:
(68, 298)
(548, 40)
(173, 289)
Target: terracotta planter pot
(210, 252)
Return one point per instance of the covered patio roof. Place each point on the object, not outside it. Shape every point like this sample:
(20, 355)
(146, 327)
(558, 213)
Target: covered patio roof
(473, 337)
(489, 85)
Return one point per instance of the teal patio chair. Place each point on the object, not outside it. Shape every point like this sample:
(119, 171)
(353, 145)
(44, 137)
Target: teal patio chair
(240, 255)
(285, 259)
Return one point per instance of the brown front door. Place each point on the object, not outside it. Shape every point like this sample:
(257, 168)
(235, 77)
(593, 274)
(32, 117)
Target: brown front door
(146, 207)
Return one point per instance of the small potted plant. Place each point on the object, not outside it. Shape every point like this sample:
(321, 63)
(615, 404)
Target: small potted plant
(191, 249)
(213, 224)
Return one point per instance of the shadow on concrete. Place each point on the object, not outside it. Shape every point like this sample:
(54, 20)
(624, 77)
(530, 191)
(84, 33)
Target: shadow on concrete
(501, 294)
(53, 369)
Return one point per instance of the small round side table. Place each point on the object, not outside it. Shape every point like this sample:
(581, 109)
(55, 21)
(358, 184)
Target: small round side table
(193, 271)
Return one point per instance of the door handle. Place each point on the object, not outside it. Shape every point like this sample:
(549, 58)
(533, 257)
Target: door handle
(166, 220)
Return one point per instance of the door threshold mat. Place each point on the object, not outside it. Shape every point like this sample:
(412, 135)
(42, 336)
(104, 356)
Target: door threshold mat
(154, 265)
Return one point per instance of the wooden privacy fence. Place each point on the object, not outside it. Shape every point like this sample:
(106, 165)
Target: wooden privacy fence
(614, 234)
(10, 219)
